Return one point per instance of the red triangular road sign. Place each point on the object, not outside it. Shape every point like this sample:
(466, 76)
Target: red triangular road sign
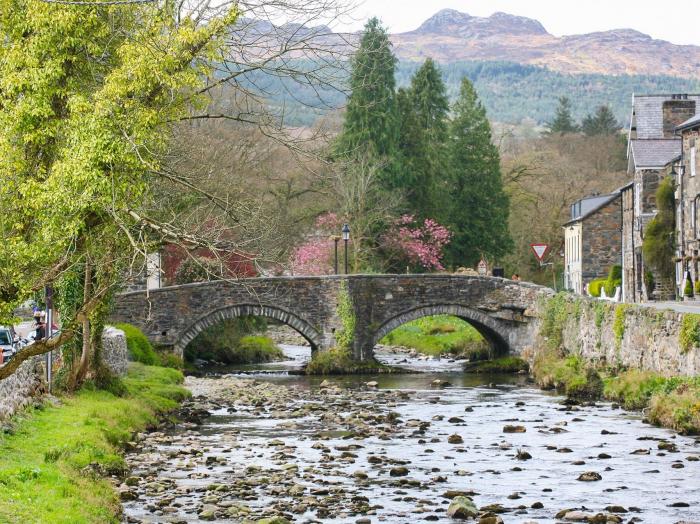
(540, 250)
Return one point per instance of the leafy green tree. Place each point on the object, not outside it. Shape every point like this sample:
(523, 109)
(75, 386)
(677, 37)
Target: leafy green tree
(370, 120)
(563, 122)
(423, 112)
(476, 203)
(658, 246)
(87, 99)
(603, 122)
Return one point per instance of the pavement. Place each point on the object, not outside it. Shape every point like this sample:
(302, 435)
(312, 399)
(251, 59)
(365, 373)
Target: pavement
(680, 307)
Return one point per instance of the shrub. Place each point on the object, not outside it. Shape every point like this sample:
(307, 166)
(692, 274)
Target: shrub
(658, 246)
(688, 290)
(689, 336)
(197, 269)
(634, 388)
(595, 286)
(508, 364)
(220, 342)
(254, 349)
(678, 410)
(140, 349)
(697, 287)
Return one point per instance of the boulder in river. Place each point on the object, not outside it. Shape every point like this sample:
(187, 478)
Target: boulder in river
(589, 476)
(462, 508)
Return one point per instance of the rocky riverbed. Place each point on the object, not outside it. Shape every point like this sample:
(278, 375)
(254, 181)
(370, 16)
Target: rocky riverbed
(431, 447)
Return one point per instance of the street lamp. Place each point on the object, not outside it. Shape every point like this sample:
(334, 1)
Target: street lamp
(336, 239)
(346, 239)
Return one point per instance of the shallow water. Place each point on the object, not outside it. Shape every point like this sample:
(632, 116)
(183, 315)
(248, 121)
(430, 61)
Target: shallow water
(557, 437)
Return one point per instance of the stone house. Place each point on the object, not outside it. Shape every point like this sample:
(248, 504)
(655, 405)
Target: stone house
(592, 240)
(653, 147)
(688, 203)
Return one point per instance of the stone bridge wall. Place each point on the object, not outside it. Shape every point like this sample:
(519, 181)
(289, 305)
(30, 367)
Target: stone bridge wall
(500, 309)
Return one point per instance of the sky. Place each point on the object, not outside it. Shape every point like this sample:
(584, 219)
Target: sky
(664, 20)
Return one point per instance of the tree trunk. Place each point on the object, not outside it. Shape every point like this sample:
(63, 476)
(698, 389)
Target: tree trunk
(80, 370)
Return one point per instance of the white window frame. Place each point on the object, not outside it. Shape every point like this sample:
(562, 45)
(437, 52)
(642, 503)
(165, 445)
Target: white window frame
(693, 161)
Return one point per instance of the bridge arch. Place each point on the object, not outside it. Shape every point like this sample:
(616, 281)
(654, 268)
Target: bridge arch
(490, 328)
(280, 314)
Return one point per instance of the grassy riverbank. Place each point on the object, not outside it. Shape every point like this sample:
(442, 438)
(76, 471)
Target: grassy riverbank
(53, 465)
(440, 335)
(669, 402)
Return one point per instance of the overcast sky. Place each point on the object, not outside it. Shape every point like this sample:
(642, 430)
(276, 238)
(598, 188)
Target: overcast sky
(671, 21)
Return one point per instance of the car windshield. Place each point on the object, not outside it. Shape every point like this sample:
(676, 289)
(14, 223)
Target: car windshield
(5, 338)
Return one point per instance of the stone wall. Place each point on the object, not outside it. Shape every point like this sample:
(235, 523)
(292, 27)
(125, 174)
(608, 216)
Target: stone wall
(114, 350)
(626, 335)
(22, 388)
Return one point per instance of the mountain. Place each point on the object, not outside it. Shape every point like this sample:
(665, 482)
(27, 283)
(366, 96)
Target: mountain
(451, 36)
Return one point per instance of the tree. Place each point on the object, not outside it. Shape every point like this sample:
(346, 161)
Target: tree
(370, 118)
(423, 112)
(477, 209)
(89, 99)
(410, 244)
(603, 122)
(563, 122)
(658, 246)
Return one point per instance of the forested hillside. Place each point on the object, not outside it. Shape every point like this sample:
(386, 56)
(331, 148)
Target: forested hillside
(511, 92)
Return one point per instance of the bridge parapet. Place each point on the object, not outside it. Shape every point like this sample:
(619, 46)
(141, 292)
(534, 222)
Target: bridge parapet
(498, 308)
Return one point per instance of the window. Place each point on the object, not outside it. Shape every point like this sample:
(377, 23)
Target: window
(5, 338)
(695, 217)
(693, 162)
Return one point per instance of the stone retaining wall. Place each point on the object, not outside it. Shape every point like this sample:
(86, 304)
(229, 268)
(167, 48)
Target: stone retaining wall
(28, 383)
(625, 335)
(22, 388)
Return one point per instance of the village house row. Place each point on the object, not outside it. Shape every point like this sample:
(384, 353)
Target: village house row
(608, 230)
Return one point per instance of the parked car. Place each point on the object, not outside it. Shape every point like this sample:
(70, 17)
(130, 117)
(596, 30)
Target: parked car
(9, 343)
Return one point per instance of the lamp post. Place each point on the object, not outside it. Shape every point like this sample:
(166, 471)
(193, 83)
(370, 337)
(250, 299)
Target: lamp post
(346, 239)
(336, 239)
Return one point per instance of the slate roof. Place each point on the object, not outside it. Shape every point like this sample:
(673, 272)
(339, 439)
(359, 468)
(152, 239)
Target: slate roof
(655, 153)
(648, 114)
(590, 205)
(691, 122)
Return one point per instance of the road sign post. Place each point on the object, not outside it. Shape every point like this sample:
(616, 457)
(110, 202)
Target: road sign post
(540, 251)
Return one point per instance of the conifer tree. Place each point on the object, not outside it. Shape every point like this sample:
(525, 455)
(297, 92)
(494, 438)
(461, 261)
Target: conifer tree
(477, 209)
(423, 112)
(603, 122)
(370, 121)
(563, 122)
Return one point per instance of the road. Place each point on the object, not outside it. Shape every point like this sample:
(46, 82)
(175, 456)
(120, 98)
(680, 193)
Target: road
(680, 307)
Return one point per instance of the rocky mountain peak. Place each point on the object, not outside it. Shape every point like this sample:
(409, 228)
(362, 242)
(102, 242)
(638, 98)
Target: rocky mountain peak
(450, 22)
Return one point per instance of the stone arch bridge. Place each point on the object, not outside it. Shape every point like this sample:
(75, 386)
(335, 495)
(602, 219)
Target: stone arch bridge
(501, 310)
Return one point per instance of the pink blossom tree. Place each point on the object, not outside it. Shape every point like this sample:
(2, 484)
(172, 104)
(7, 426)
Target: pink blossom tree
(315, 255)
(419, 246)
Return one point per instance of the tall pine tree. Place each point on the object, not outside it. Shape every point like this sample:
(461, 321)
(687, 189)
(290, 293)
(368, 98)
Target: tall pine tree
(603, 122)
(370, 124)
(423, 109)
(476, 209)
(563, 122)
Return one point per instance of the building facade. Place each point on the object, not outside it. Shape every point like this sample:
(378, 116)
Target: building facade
(592, 240)
(653, 148)
(688, 204)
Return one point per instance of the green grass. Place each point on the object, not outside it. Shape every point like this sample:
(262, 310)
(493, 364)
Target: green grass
(339, 361)
(671, 402)
(140, 348)
(253, 349)
(52, 467)
(499, 365)
(440, 335)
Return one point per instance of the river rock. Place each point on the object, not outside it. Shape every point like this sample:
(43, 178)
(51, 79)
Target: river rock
(400, 471)
(513, 429)
(493, 519)
(462, 508)
(273, 520)
(589, 476)
(455, 439)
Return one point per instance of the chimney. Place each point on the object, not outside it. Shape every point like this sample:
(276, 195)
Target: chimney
(675, 112)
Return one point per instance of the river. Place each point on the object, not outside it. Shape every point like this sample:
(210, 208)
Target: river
(279, 444)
